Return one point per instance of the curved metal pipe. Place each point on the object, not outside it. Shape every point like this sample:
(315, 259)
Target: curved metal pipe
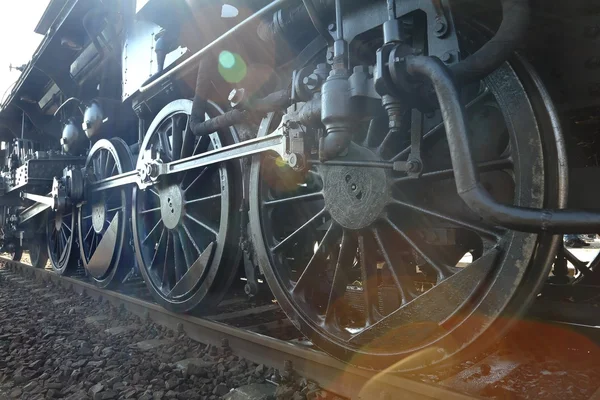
(467, 180)
(515, 21)
(317, 22)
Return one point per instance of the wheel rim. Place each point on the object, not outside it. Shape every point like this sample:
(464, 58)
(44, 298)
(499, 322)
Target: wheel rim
(365, 237)
(184, 230)
(60, 235)
(103, 219)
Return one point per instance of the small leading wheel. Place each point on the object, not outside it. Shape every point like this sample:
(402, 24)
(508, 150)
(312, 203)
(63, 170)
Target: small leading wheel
(385, 271)
(16, 253)
(104, 218)
(60, 238)
(186, 227)
(38, 252)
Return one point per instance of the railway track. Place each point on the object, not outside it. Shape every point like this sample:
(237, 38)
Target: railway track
(514, 368)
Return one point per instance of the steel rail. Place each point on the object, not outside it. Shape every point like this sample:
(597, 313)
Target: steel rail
(331, 374)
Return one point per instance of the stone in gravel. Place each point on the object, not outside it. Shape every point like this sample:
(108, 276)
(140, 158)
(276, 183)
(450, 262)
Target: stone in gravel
(16, 393)
(95, 364)
(94, 390)
(79, 363)
(96, 319)
(172, 382)
(54, 385)
(35, 364)
(51, 393)
(151, 344)
(255, 391)
(259, 370)
(284, 392)
(221, 389)
(193, 366)
(109, 394)
(119, 330)
(30, 386)
(129, 393)
(158, 395)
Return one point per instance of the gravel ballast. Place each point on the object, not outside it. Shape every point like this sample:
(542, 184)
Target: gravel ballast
(57, 344)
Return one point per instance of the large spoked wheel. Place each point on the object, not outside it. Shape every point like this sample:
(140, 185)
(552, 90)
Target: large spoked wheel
(186, 227)
(104, 218)
(384, 271)
(60, 239)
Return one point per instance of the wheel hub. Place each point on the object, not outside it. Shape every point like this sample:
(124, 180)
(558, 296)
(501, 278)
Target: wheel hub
(355, 196)
(171, 206)
(98, 217)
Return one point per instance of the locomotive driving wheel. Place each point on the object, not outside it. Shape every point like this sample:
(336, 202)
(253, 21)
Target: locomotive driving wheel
(104, 218)
(60, 239)
(186, 227)
(382, 270)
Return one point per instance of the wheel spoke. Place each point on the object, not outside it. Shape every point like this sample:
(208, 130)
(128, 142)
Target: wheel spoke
(340, 278)
(176, 261)
(468, 225)
(294, 199)
(189, 235)
(202, 224)
(488, 166)
(440, 127)
(166, 262)
(152, 231)
(187, 253)
(318, 259)
(120, 208)
(406, 285)
(369, 281)
(214, 196)
(307, 224)
(205, 171)
(201, 147)
(88, 233)
(66, 227)
(156, 248)
(157, 209)
(177, 135)
(443, 271)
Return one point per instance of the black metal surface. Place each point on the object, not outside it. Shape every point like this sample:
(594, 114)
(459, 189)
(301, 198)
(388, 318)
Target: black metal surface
(103, 218)
(185, 226)
(60, 239)
(467, 181)
(310, 259)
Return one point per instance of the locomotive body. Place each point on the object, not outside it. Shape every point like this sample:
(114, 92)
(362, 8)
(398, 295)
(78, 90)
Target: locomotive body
(397, 171)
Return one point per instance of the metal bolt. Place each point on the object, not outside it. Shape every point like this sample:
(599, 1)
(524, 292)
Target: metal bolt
(312, 82)
(447, 58)
(413, 166)
(332, 27)
(236, 96)
(293, 160)
(225, 343)
(440, 27)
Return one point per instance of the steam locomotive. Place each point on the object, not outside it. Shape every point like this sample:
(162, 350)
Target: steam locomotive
(396, 171)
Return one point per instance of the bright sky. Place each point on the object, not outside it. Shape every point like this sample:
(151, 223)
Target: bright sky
(17, 39)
